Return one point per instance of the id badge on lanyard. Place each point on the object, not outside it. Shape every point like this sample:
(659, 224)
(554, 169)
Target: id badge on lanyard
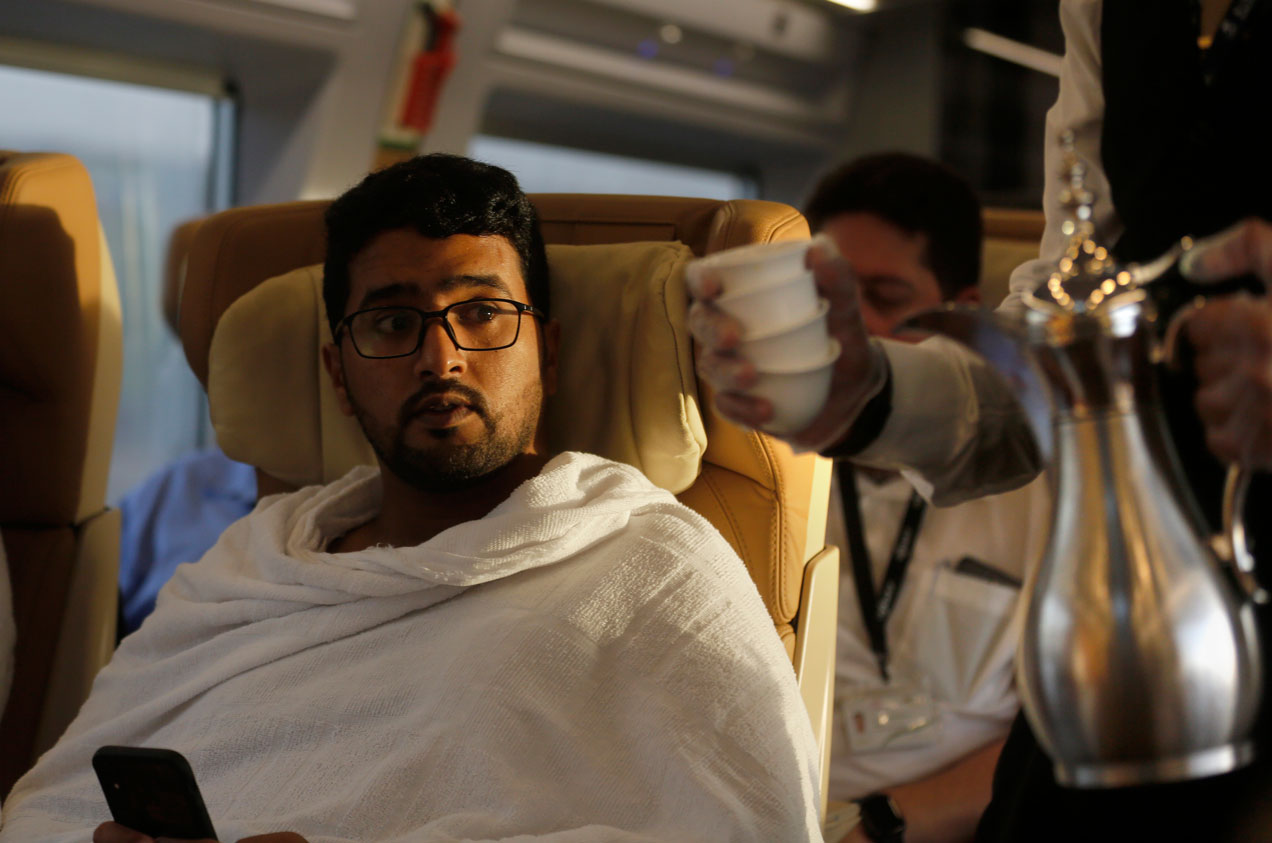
(898, 715)
(901, 713)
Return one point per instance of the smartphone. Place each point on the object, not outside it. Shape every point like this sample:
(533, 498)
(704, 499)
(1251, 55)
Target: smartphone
(152, 791)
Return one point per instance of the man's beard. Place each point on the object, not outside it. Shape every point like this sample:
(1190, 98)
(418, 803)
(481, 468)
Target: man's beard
(453, 466)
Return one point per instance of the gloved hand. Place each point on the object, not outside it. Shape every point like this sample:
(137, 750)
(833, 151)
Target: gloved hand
(858, 374)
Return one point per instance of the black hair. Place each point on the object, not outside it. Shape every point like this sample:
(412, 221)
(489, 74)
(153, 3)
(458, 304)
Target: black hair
(437, 195)
(917, 195)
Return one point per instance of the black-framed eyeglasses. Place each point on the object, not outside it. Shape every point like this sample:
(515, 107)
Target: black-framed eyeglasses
(473, 325)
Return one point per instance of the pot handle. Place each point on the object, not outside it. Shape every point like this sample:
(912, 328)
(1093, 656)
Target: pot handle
(1230, 546)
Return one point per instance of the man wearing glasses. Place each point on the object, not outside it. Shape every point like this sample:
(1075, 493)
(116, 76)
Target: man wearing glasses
(474, 640)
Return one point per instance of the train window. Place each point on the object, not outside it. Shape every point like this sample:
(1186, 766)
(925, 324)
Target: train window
(541, 168)
(157, 157)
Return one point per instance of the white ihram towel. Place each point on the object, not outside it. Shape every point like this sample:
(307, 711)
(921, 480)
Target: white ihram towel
(588, 662)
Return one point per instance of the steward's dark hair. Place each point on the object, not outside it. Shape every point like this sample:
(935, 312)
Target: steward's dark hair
(438, 196)
(916, 195)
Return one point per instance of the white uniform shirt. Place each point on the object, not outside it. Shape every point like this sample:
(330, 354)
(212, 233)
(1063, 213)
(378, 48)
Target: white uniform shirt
(955, 631)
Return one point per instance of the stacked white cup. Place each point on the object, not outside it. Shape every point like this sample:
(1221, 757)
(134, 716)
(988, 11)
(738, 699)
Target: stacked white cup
(770, 292)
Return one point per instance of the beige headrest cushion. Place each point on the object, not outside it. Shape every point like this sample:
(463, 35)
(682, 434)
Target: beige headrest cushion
(626, 384)
(999, 258)
(59, 387)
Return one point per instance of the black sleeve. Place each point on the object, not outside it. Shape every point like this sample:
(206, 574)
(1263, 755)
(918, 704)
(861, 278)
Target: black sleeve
(868, 425)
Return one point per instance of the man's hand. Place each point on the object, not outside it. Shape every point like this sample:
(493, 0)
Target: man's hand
(116, 833)
(1233, 342)
(858, 372)
(1232, 338)
(1246, 248)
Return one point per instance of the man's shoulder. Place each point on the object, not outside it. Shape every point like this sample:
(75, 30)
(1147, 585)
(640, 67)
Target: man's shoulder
(685, 526)
(659, 524)
(665, 570)
(593, 480)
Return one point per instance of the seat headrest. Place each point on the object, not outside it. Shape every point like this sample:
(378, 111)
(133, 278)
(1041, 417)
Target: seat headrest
(61, 326)
(626, 386)
(1011, 238)
(174, 270)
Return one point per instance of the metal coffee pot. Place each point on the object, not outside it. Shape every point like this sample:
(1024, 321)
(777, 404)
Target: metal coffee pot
(1139, 660)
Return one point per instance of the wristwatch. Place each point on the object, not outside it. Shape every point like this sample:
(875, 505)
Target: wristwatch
(880, 819)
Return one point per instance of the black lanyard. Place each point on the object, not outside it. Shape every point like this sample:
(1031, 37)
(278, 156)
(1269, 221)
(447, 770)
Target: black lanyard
(876, 609)
(1221, 46)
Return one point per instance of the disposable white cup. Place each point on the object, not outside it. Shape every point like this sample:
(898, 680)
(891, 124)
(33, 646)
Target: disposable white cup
(799, 394)
(793, 346)
(754, 267)
(772, 308)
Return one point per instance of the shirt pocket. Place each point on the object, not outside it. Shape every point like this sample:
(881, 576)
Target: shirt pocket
(960, 636)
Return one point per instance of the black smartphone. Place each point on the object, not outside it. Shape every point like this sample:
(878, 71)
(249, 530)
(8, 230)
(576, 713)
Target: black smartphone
(152, 791)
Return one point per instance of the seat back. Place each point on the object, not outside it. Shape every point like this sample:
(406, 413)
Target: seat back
(1011, 238)
(768, 502)
(174, 267)
(60, 369)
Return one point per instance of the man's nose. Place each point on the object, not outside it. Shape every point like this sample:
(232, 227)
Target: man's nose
(438, 355)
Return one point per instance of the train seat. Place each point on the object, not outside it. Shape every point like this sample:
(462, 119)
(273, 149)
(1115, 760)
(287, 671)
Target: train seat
(616, 264)
(174, 268)
(60, 367)
(1011, 237)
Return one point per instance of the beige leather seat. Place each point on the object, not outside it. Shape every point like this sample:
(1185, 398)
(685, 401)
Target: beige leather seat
(769, 503)
(174, 269)
(1011, 238)
(60, 368)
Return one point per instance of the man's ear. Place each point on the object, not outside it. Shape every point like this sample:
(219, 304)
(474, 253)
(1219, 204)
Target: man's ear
(335, 369)
(968, 295)
(551, 349)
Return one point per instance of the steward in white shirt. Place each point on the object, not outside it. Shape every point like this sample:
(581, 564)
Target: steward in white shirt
(946, 580)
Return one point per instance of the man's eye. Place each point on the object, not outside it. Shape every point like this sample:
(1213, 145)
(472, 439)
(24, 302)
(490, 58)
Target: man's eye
(886, 299)
(394, 323)
(477, 313)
